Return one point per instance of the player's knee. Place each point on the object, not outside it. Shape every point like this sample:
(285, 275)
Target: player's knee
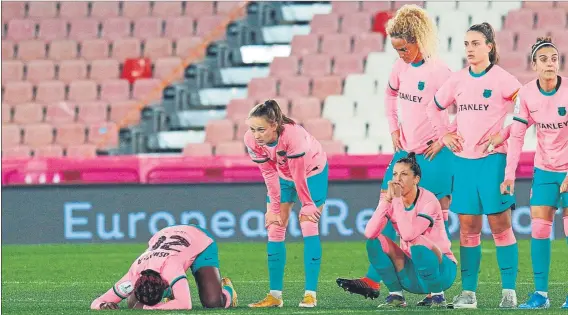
(276, 233)
(377, 245)
(505, 238)
(470, 239)
(541, 228)
(212, 301)
(309, 228)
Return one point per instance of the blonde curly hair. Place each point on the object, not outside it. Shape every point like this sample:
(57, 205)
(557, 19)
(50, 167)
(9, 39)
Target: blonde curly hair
(413, 24)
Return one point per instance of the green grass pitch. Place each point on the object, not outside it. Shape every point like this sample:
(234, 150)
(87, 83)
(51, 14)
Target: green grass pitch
(64, 279)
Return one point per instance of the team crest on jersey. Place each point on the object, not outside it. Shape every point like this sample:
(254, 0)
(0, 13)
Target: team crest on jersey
(562, 111)
(487, 93)
(125, 288)
(421, 85)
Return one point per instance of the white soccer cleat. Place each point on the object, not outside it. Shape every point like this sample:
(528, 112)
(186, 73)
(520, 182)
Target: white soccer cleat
(466, 300)
(509, 299)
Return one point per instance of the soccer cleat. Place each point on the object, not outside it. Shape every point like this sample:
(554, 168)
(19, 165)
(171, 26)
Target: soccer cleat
(427, 301)
(268, 301)
(509, 299)
(393, 300)
(565, 305)
(226, 282)
(438, 300)
(309, 301)
(466, 299)
(536, 301)
(361, 286)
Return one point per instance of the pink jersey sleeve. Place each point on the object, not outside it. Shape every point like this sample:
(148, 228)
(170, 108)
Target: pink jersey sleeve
(180, 290)
(267, 169)
(521, 122)
(120, 291)
(379, 219)
(441, 76)
(391, 93)
(510, 90)
(443, 98)
(412, 224)
(297, 146)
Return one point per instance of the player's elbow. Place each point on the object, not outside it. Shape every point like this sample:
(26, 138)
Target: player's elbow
(96, 305)
(370, 233)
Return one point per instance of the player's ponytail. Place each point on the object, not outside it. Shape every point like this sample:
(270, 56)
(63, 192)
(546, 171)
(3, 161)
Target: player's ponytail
(410, 159)
(271, 111)
(541, 42)
(489, 33)
(149, 288)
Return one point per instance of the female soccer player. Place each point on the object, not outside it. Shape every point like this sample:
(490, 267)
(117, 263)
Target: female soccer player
(157, 278)
(482, 92)
(293, 165)
(424, 262)
(415, 78)
(542, 101)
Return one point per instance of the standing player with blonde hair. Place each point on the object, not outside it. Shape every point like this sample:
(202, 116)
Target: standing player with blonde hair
(415, 78)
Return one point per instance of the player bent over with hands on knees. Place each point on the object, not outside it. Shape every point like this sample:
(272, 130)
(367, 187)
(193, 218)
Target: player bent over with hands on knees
(424, 262)
(157, 281)
(294, 166)
(542, 102)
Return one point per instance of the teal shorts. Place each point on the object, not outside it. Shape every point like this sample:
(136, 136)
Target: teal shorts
(317, 185)
(207, 258)
(437, 175)
(477, 185)
(546, 189)
(411, 281)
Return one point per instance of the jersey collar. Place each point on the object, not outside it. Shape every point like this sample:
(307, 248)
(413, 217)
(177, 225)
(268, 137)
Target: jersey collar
(482, 73)
(417, 64)
(543, 92)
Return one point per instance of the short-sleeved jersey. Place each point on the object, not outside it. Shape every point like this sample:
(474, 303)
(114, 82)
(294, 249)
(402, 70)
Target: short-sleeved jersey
(415, 86)
(483, 101)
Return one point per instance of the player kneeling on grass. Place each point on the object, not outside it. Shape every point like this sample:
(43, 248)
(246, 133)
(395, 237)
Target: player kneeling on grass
(157, 281)
(424, 262)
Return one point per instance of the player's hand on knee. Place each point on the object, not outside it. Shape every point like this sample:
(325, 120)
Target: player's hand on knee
(508, 187)
(564, 186)
(109, 306)
(272, 218)
(310, 213)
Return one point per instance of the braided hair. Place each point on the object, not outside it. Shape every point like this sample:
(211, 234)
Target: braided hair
(489, 33)
(541, 42)
(149, 288)
(271, 111)
(410, 160)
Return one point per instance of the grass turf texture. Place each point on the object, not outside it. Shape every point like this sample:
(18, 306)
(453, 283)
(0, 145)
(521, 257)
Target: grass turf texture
(64, 279)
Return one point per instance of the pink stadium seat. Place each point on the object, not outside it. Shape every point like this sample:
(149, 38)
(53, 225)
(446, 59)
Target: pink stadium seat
(225, 7)
(178, 27)
(73, 9)
(316, 65)
(238, 109)
(50, 91)
(148, 27)
(51, 29)
(218, 131)
(48, 151)
(36, 135)
(506, 40)
(18, 152)
(206, 24)
(82, 91)
(550, 18)
(21, 29)
(12, 70)
(527, 38)
(333, 147)
(157, 48)
(115, 90)
(284, 66)
(82, 29)
(199, 8)
(103, 135)
(347, 64)
(320, 128)
(345, 7)
(135, 9)
(70, 134)
(262, 88)
(71, 70)
(306, 108)
(560, 39)
(92, 112)
(81, 151)
(28, 113)
(336, 44)
(190, 45)
(63, 49)
(93, 49)
(11, 136)
(40, 70)
(538, 5)
(126, 110)
(305, 45)
(398, 4)
(17, 92)
(60, 112)
(324, 23)
(7, 50)
(198, 149)
(562, 5)
(126, 48)
(294, 87)
(105, 9)
(31, 50)
(42, 9)
(145, 90)
(13, 10)
(376, 6)
(231, 148)
(167, 8)
(6, 113)
(366, 43)
(325, 86)
(242, 128)
(521, 19)
(165, 67)
(356, 23)
(116, 28)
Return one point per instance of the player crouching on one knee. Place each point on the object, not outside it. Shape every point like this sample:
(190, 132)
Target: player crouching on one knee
(424, 262)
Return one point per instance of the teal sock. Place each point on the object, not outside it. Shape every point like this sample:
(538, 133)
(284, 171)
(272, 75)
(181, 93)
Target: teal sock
(383, 265)
(228, 288)
(540, 256)
(276, 262)
(389, 231)
(566, 239)
(470, 260)
(372, 274)
(427, 266)
(508, 261)
(312, 261)
(447, 226)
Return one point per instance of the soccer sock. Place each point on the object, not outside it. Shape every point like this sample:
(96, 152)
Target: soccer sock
(507, 258)
(383, 265)
(565, 221)
(427, 266)
(373, 275)
(276, 262)
(228, 293)
(540, 253)
(470, 253)
(446, 214)
(312, 261)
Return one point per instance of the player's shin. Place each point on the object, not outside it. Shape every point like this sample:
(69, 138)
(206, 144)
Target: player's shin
(377, 251)
(507, 257)
(470, 253)
(428, 267)
(540, 253)
(566, 225)
(276, 251)
(312, 254)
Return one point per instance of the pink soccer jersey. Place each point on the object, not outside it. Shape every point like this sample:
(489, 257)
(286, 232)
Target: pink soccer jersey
(415, 86)
(548, 112)
(482, 102)
(170, 252)
(424, 219)
(296, 156)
